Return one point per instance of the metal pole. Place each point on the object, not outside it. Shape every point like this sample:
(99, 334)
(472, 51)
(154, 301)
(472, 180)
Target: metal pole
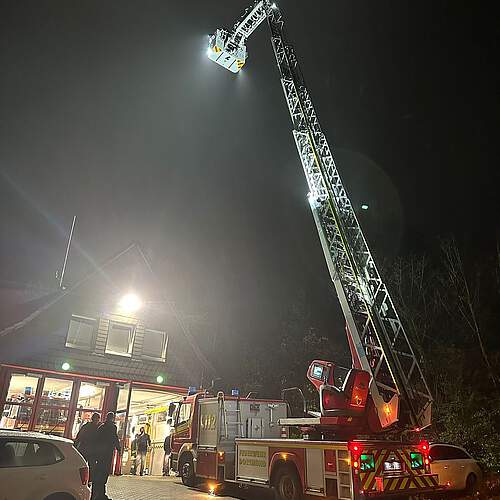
(67, 253)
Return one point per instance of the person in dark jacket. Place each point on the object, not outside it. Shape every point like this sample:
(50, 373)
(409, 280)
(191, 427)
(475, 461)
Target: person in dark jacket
(85, 442)
(143, 441)
(167, 449)
(133, 452)
(106, 443)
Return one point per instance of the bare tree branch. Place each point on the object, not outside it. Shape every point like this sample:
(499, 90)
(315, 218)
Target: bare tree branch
(466, 304)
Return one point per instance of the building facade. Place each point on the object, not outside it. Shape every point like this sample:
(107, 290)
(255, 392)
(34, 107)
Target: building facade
(96, 347)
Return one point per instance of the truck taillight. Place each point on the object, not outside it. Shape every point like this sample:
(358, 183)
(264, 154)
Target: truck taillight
(220, 456)
(424, 449)
(355, 449)
(360, 389)
(84, 475)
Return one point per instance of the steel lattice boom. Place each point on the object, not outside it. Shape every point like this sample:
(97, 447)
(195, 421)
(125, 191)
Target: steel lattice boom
(376, 336)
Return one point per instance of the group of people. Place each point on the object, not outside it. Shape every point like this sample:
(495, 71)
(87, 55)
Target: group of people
(97, 443)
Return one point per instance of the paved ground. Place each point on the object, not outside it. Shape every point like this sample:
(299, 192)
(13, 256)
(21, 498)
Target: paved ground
(171, 488)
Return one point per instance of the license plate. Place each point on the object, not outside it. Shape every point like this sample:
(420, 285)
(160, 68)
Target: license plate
(392, 467)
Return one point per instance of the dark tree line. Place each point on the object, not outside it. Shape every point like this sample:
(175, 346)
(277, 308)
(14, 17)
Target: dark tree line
(450, 304)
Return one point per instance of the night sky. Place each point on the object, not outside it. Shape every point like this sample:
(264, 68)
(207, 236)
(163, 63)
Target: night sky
(111, 111)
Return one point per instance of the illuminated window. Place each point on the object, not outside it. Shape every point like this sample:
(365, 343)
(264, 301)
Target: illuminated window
(56, 392)
(120, 339)
(53, 412)
(81, 333)
(90, 396)
(22, 389)
(16, 417)
(52, 420)
(154, 345)
(18, 408)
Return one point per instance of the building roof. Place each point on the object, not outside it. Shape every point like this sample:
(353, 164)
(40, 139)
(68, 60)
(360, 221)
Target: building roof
(36, 329)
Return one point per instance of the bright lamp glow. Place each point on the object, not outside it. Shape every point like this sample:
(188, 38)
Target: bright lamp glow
(86, 391)
(209, 51)
(364, 207)
(130, 303)
(65, 366)
(159, 379)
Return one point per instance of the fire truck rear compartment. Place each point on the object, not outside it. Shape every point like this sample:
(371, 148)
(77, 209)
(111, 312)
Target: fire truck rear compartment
(222, 420)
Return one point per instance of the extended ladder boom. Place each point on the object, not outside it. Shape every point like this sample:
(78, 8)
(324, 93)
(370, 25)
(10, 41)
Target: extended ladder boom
(376, 336)
(249, 23)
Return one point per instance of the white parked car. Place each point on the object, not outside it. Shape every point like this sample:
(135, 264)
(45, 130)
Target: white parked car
(41, 467)
(455, 468)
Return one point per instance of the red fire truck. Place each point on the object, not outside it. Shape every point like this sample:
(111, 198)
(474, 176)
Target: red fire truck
(359, 444)
(220, 439)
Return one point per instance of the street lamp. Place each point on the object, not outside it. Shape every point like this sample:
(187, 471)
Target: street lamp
(130, 303)
(65, 366)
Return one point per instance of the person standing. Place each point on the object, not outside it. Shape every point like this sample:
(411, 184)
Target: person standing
(143, 441)
(106, 443)
(167, 449)
(85, 442)
(133, 453)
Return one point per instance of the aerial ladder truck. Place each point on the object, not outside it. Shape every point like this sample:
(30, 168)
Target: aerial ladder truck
(354, 446)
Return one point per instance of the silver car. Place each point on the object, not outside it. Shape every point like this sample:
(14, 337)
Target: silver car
(455, 468)
(42, 467)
